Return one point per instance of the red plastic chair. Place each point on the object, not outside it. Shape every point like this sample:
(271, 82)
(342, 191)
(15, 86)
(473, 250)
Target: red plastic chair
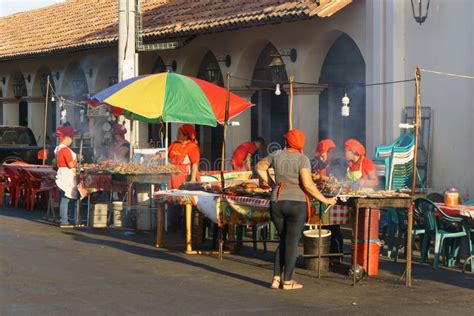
(4, 185)
(17, 186)
(36, 187)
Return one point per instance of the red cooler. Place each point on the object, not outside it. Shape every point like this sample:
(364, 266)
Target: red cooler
(368, 243)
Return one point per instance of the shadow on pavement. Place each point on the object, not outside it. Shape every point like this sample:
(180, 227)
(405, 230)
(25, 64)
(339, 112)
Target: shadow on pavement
(163, 255)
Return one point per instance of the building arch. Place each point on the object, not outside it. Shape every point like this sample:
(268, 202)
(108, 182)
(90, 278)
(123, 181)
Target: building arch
(210, 137)
(269, 118)
(343, 70)
(155, 130)
(107, 74)
(74, 87)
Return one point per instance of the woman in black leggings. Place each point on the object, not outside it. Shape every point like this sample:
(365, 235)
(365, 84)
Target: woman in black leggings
(289, 204)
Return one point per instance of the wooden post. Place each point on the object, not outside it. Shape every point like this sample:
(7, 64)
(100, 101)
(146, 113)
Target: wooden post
(417, 127)
(290, 105)
(46, 103)
(160, 216)
(409, 245)
(189, 224)
(356, 233)
(226, 122)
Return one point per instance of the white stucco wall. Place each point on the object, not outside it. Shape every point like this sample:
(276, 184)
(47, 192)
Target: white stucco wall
(445, 42)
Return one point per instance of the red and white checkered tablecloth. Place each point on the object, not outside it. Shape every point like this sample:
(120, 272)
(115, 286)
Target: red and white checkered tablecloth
(246, 201)
(337, 215)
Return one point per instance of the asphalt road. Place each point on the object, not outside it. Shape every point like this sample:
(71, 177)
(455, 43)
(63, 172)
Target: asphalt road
(45, 270)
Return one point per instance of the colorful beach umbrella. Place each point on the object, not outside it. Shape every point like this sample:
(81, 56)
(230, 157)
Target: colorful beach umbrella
(171, 97)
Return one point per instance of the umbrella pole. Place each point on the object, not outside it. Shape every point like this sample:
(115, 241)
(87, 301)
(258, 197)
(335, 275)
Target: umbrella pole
(226, 119)
(132, 139)
(290, 105)
(166, 143)
(46, 99)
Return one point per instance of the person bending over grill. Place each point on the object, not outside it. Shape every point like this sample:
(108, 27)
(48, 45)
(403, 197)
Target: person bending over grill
(360, 170)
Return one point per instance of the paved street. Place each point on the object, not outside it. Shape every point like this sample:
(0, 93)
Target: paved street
(50, 271)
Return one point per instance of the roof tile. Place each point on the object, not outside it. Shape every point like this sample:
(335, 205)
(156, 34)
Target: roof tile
(76, 24)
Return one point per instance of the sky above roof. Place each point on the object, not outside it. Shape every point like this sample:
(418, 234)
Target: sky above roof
(8, 7)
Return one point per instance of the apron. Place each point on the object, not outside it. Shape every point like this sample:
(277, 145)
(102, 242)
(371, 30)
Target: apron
(177, 179)
(355, 175)
(308, 202)
(66, 179)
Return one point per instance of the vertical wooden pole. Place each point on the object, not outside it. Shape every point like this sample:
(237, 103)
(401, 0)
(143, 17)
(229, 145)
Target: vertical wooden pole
(413, 185)
(226, 122)
(290, 105)
(354, 247)
(417, 127)
(189, 224)
(159, 224)
(409, 245)
(46, 103)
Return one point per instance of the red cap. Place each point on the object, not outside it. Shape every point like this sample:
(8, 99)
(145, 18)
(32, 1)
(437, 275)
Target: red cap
(324, 146)
(64, 131)
(295, 139)
(119, 130)
(354, 146)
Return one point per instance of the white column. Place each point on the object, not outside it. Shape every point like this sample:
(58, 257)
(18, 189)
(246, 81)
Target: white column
(395, 67)
(11, 113)
(375, 101)
(306, 115)
(36, 119)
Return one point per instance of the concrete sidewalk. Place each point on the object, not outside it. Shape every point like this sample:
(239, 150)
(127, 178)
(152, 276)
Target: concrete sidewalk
(50, 271)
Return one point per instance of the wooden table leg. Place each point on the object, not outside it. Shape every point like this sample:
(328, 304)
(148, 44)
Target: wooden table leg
(201, 229)
(356, 233)
(189, 224)
(160, 211)
(409, 245)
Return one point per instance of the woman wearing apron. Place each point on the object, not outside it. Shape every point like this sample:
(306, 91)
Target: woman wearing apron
(121, 148)
(66, 180)
(360, 170)
(290, 203)
(184, 154)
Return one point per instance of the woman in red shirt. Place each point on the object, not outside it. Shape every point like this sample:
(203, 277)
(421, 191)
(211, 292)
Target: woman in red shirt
(184, 154)
(242, 156)
(66, 179)
(322, 159)
(360, 170)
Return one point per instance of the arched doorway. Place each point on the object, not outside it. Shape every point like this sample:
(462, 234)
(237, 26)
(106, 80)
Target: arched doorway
(155, 130)
(39, 89)
(19, 91)
(210, 138)
(344, 72)
(269, 118)
(74, 87)
(1, 106)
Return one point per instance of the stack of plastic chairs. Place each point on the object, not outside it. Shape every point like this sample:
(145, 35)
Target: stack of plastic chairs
(395, 162)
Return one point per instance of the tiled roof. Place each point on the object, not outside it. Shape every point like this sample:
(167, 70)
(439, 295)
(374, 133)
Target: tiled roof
(78, 24)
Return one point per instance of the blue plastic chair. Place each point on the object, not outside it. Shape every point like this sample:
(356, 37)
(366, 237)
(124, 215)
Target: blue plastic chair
(434, 229)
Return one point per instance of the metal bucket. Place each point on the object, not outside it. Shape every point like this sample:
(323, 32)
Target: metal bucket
(311, 246)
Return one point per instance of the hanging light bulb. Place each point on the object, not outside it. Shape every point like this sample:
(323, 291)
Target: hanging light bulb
(53, 99)
(277, 89)
(345, 105)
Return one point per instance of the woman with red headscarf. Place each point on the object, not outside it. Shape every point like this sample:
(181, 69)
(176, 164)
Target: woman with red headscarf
(66, 180)
(361, 170)
(290, 203)
(120, 150)
(322, 159)
(184, 154)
